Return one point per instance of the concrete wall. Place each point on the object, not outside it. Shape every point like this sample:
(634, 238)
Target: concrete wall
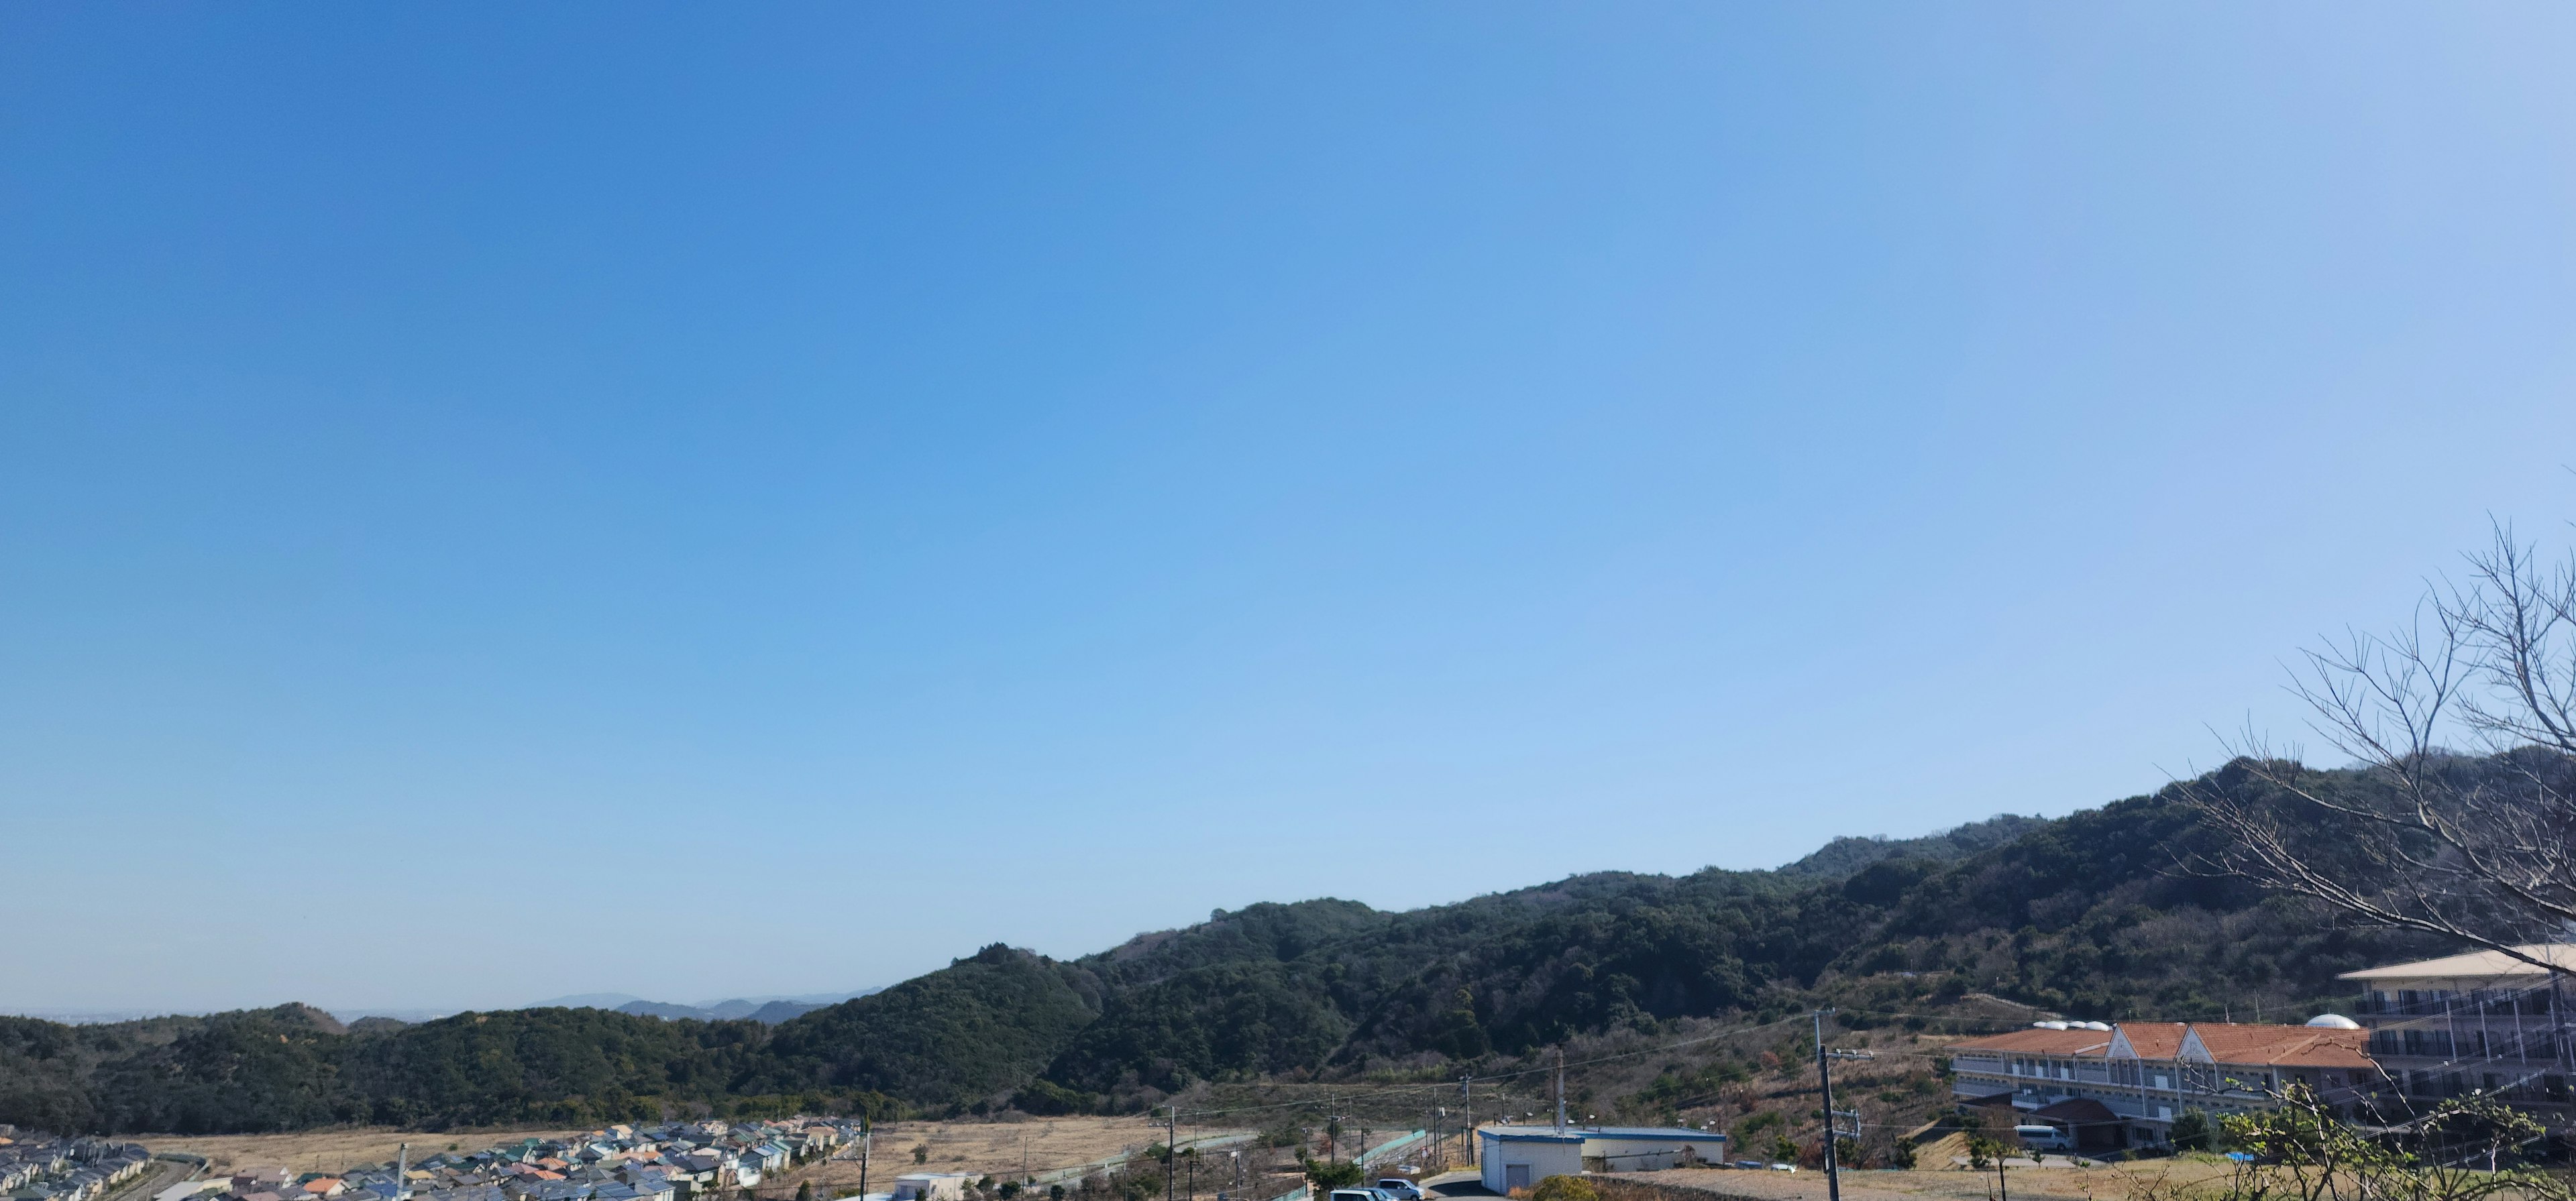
(1649, 1155)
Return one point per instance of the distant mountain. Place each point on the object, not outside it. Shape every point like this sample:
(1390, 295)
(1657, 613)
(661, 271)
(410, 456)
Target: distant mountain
(664, 1009)
(768, 1011)
(587, 1000)
(400, 1017)
(92, 1017)
(811, 998)
(779, 1011)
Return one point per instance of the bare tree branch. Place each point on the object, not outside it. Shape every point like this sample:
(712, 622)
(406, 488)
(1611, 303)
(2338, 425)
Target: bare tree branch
(2480, 848)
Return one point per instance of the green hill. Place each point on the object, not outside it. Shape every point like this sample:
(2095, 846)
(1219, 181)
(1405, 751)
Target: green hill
(2091, 915)
(980, 1027)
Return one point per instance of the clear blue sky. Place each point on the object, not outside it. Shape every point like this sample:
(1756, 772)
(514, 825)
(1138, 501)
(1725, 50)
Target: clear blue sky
(849, 483)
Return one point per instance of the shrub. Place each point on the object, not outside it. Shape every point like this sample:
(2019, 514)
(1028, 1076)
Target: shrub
(1329, 1176)
(1983, 1152)
(1565, 1188)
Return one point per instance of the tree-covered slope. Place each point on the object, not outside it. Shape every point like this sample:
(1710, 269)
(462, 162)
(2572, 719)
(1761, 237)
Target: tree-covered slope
(1223, 1020)
(543, 1065)
(979, 1027)
(1849, 854)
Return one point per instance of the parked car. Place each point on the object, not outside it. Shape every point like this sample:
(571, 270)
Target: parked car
(1750, 1165)
(1357, 1194)
(1400, 1189)
(2043, 1137)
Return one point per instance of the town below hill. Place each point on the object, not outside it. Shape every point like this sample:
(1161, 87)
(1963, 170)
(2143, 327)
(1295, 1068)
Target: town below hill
(36, 1166)
(616, 1163)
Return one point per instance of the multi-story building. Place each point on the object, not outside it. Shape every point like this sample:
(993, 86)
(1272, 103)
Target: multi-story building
(2481, 1022)
(2123, 1085)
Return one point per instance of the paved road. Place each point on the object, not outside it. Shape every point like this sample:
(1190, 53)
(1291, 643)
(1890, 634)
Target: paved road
(157, 1175)
(1464, 1183)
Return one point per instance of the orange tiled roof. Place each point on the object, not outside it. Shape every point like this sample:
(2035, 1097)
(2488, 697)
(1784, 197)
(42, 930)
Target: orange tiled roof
(2242, 1043)
(2154, 1040)
(2038, 1041)
(2284, 1046)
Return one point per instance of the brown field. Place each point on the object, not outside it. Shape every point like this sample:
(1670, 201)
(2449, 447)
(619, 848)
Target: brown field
(983, 1147)
(332, 1150)
(986, 1148)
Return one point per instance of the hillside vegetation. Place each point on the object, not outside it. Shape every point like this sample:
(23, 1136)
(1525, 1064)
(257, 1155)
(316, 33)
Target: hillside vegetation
(2089, 915)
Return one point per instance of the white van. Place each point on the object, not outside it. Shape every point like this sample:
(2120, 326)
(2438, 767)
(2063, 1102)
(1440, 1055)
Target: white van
(2044, 1138)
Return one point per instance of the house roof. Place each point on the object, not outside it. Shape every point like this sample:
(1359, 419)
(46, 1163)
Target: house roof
(2474, 964)
(2241, 1043)
(2153, 1040)
(2039, 1041)
(2284, 1046)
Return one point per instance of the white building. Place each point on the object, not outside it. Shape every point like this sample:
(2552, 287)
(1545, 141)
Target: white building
(932, 1186)
(1520, 1156)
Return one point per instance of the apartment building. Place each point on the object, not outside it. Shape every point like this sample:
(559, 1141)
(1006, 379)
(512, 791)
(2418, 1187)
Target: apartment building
(2481, 1022)
(2114, 1086)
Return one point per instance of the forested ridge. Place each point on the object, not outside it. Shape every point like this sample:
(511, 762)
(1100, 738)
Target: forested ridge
(2094, 914)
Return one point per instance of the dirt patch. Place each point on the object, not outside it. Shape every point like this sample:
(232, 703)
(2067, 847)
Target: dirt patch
(335, 1150)
(1001, 1148)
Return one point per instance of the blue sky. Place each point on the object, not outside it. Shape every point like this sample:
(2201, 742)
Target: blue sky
(853, 483)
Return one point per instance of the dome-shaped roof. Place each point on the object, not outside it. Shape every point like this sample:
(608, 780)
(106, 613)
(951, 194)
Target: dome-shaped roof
(2334, 1021)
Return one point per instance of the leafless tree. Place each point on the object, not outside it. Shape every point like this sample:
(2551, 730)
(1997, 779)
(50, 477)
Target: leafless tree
(2478, 847)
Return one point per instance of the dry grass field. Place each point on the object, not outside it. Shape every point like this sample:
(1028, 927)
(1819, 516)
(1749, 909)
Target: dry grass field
(328, 1150)
(993, 1148)
(987, 1148)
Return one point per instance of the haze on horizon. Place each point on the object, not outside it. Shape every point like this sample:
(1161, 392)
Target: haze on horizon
(779, 498)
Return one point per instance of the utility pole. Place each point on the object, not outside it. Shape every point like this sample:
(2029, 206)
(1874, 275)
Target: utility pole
(1825, 1080)
(1171, 1147)
(1467, 1089)
(867, 1143)
(1834, 1131)
(1560, 1094)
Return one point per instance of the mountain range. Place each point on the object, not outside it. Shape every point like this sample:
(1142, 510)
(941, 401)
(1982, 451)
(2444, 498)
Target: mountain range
(768, 1011)
(2093, 915)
